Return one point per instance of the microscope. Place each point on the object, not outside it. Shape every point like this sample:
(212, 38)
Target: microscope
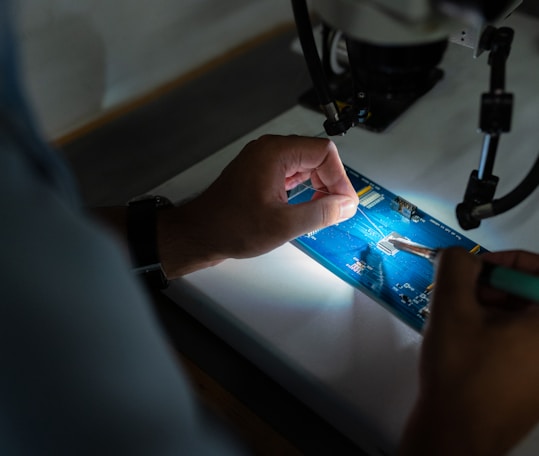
(377, 57)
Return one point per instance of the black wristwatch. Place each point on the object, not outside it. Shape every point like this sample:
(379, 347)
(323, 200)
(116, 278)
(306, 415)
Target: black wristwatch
(142, 239)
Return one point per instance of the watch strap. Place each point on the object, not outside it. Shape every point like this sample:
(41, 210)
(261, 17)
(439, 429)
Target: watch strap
(142, 239)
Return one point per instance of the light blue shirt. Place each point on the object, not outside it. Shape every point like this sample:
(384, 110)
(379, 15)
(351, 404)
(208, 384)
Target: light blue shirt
(84, 366)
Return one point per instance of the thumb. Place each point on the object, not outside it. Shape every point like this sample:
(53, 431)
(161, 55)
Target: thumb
(320, 213)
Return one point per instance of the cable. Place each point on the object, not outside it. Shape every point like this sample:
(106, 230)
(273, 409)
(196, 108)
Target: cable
(310, 51)
(514, 197)
(334, 124)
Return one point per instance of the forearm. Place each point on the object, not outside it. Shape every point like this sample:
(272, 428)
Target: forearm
(245, 212)
(181, 248)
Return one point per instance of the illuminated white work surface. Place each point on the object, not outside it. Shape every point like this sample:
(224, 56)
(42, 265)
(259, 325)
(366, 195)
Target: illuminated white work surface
(334, 348)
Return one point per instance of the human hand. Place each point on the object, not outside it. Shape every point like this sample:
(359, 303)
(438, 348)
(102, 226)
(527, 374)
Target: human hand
(479, 374)
(245, 212)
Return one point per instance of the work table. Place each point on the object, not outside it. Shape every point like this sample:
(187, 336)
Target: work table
(331, 346)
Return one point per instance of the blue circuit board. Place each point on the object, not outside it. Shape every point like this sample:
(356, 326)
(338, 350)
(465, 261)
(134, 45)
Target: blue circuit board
(358, 250)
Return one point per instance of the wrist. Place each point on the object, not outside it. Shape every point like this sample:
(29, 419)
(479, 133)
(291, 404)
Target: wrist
(183, 243)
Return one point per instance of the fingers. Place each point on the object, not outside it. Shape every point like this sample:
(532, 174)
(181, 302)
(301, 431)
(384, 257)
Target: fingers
(317, 158)
(456, 284)
(298, 159)
(516, 259)
(249, 200)
(458, 293)
(318, 213)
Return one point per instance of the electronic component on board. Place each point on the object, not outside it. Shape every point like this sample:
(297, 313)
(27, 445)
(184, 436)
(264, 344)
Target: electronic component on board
(405, 208)
(386, 246)
(368, 197)
(425, 312)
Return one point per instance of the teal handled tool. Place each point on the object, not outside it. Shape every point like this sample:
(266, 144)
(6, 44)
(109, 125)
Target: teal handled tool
(515, 282)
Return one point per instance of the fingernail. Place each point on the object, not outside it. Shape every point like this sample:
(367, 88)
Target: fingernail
(348, 208)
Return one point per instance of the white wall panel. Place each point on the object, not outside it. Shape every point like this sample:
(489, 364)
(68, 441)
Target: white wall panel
(81, 58)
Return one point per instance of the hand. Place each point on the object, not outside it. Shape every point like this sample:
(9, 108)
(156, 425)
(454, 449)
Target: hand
(245, 212)
(479, 372)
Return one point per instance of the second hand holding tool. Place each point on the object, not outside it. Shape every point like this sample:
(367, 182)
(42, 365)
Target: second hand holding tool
(515, 282)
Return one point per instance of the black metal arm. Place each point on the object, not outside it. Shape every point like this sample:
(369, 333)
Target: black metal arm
(495, 119)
